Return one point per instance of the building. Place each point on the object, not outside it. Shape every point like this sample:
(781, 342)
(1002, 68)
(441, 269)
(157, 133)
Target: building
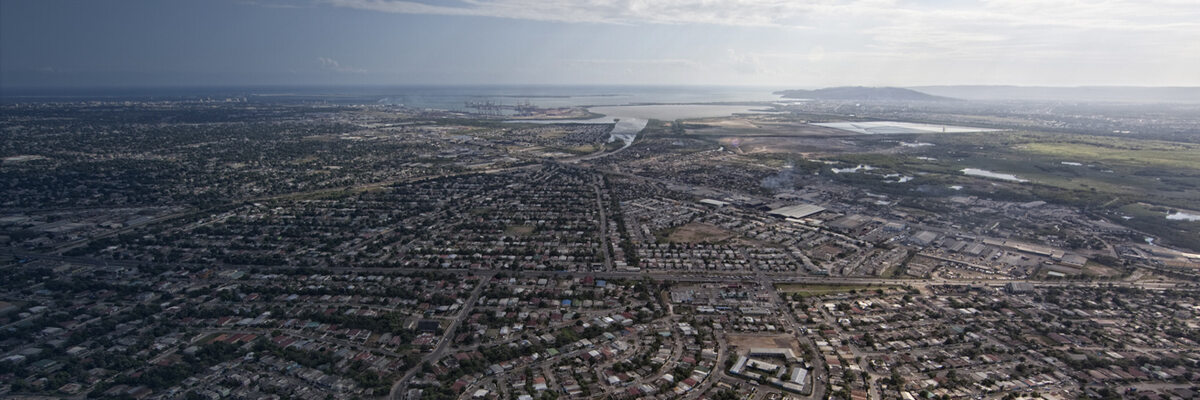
(924, 238)
(779, 352)
(714, 203)
(1018, 287)
(797, 211)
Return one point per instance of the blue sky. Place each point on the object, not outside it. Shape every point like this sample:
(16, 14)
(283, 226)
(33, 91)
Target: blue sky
(778, 43)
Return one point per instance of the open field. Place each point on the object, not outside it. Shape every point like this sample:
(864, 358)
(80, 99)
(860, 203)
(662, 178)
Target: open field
(750, 341)
(1104, 174)
(1096, 269)
(582, 149)
(1131, 152)
(696, 233)
(1152, 220)
(519, 230)
(760, 125)
(787, 144)
(897, 127)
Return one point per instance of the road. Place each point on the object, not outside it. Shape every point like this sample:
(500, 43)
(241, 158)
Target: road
(605, 244)
(444, 343)
(817, 391)
(665, 275)
(718, 371)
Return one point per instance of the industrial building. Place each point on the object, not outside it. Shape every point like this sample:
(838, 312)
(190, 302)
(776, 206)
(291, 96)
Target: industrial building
(797, 211)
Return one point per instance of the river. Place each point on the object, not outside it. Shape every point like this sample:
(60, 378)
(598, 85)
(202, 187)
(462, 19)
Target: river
(631, 120)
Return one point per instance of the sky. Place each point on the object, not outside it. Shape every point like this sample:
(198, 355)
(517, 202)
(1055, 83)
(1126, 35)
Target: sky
(776, 43)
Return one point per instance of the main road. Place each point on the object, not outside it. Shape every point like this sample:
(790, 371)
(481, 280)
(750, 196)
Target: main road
(662, 275)
(444, 343)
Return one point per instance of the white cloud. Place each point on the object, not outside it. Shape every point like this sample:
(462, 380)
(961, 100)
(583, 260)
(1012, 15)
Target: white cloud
(1013, 40)
(1090, 14)
(779, 13)
(816, 54)
(888, 22)
(746, 63)
(680, 62)
(330, 64)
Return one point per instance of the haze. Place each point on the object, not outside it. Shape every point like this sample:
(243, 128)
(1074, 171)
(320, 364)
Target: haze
(71, 43)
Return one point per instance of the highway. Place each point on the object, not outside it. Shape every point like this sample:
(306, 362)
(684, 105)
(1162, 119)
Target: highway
(663, 275)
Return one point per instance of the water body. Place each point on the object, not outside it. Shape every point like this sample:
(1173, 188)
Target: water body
(899, 178)
(624, 102)
(989, 174)
(860, 167)
(1182, 216)
(864, 168)
(630, 120)
(552, 96)
(626, 130)
(440, 97)
(896, 127)
(671, 112)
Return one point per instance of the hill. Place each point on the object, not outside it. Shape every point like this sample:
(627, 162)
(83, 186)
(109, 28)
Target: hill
(1123, 94)
(861, 93)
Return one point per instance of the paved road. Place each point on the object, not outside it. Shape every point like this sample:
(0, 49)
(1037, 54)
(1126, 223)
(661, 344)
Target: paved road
(667, 275)
(444, 343)
(604, 242)
(817, 391)
(718, 371)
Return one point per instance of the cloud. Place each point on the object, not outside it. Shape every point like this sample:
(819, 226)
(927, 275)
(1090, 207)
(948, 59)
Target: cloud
(744, 63)
(330, 64)
(787, 39)
(1089, 14)
(889, 25)
(644, 62)
(778, 13)
(273, 4)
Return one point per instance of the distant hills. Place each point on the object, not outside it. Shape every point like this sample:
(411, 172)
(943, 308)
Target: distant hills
(1079, 94)
(861, 93)
(1129, 94)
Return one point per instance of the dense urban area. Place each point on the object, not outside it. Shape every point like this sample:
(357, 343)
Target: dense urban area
(252, 248)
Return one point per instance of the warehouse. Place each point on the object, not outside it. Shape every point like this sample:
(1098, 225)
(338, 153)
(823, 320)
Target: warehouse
(797, 211)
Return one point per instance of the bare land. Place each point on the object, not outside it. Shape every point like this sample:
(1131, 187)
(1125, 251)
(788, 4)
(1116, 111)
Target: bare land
(696, 232)
(751, 341)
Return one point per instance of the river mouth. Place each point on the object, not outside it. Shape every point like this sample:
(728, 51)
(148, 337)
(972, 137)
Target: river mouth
(1184, 216)
(671, 112)
(627, 129)
(629, 121)
(993, 175)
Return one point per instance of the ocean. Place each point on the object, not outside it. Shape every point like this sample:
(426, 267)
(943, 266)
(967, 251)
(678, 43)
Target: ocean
(453, 98)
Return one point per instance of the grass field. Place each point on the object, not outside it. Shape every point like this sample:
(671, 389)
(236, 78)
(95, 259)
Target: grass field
(1130, 152)
(1112, 176)
(750, 341)
(518, 230)
(581, 149)
(1096, 269)
(695, 232)
(1109, 176)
